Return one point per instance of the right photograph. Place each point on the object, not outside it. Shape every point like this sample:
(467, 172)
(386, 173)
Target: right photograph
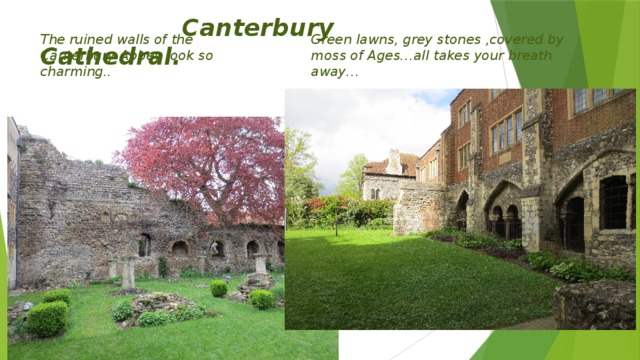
(508, 209)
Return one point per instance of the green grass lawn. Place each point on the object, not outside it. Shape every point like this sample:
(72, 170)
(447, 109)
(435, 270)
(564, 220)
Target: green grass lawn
(370, 280)
(241, 333)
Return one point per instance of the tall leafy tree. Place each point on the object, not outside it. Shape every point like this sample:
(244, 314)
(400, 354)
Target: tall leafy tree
(300, 179)
(229, 167)
(351, 180)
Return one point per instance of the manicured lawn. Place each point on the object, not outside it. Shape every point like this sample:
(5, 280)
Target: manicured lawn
(241, 333)
(370, 280)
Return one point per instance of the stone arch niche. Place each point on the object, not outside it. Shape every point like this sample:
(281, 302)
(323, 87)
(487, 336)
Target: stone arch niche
(180, 249)
(144, 245)
(281, 250)
(252, 249)
(217, 249)
(502, 209)
(513, 223)
(461, 211)
(573, 217)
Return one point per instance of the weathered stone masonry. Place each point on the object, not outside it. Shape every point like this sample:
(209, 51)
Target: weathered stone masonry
(566, 184)
(79, 220)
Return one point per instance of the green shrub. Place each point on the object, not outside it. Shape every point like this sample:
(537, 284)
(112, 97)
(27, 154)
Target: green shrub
(190, 272)
(262, 299)
(114, 279)
(513, 244)
(47, 319)
(585, 271)
(57, 295)
(121, 310)
(621, 273)
(380, 224)
(278, 291)
(218, 288)
(185, 313)
(541, 260)
(153, 318)
(476, 241)
(163, 267)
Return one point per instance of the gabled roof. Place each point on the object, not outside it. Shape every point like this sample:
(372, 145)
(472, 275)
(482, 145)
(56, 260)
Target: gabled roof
(408, 162)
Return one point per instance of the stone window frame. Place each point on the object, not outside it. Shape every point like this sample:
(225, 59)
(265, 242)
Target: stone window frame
(464, 113)
(220, 254)
(433, 168)
(516, 131)
(590, 99)
(464, 155)
(494, 93)
(246, 248)
(629, 179)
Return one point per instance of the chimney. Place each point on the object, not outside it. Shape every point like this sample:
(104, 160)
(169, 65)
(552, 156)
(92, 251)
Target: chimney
(394, 167)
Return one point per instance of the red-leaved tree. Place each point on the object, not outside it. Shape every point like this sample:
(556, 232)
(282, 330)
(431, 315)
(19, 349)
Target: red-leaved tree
(231, 168)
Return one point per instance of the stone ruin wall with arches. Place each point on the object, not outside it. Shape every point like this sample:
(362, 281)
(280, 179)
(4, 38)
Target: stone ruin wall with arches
(568, 185)
(79, 221)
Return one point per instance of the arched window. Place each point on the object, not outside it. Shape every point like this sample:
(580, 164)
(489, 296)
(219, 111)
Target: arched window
(144, 245)
(180, 248)
(252, 249)
(373, 194)
(377, 193)
(217, 249)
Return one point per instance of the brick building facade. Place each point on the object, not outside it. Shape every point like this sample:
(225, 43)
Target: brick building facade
(78, 221)
(553, 166)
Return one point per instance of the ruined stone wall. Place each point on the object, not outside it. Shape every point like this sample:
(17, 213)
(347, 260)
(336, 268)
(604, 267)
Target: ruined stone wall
(76, 216)
(388, 186)
(419, 208)
(12, 197)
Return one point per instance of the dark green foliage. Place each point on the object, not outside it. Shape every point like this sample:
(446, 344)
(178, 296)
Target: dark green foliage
(57, 295)
(121, 310)
(541, 260)
(380, 224)
(218, 288)
(163, 267)
(586, 271)
(262, 299)
(99, 162)
(514, 244)
(190, 272)
(47, 319)
(447, 234)
(476, 241)
(153, 318)
(278, 291)
(368, 210)
(185, 313)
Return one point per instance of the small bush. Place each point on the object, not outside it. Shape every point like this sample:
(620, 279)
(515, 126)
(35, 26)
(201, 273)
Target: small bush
(218, 288)
(379, 224)
(47, 319)
(514, 244)
(153, 318)
(278, 291)
(163, 267)
(122, 310)
(585, 271)
(262, 299)
(185, 313)
(57, 295)
(476, 241)
(190, 272)
(541, 260)
(620, 273)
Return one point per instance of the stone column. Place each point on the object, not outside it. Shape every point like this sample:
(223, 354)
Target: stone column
(128, 273)
(202, 263)
(261, 263)
(113, 267)
(508, 222)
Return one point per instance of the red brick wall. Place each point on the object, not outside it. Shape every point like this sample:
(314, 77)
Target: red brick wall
(492, 112)
(459, 136)
(613, 112)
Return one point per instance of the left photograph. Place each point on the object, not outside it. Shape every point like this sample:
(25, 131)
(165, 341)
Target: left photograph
(181, 227)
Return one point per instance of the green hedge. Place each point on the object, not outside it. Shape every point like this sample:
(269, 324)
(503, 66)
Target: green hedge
(47, 319)
(57, 295)
(218, 288)
(262, 299)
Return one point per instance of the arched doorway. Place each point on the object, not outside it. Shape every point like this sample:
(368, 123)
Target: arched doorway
(461, 211)
(252, 249)
(498, 222)
(513, 223)
(574, 225)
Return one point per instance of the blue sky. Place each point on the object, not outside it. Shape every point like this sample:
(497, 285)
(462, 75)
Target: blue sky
(343, 123)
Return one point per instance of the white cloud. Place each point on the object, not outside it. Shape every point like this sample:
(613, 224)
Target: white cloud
(344, 123)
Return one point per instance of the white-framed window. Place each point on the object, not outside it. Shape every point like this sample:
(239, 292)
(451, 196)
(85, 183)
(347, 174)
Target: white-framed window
(463, 156)
(433, 168)
(584, 99)
(464, 114)
(506, 132)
